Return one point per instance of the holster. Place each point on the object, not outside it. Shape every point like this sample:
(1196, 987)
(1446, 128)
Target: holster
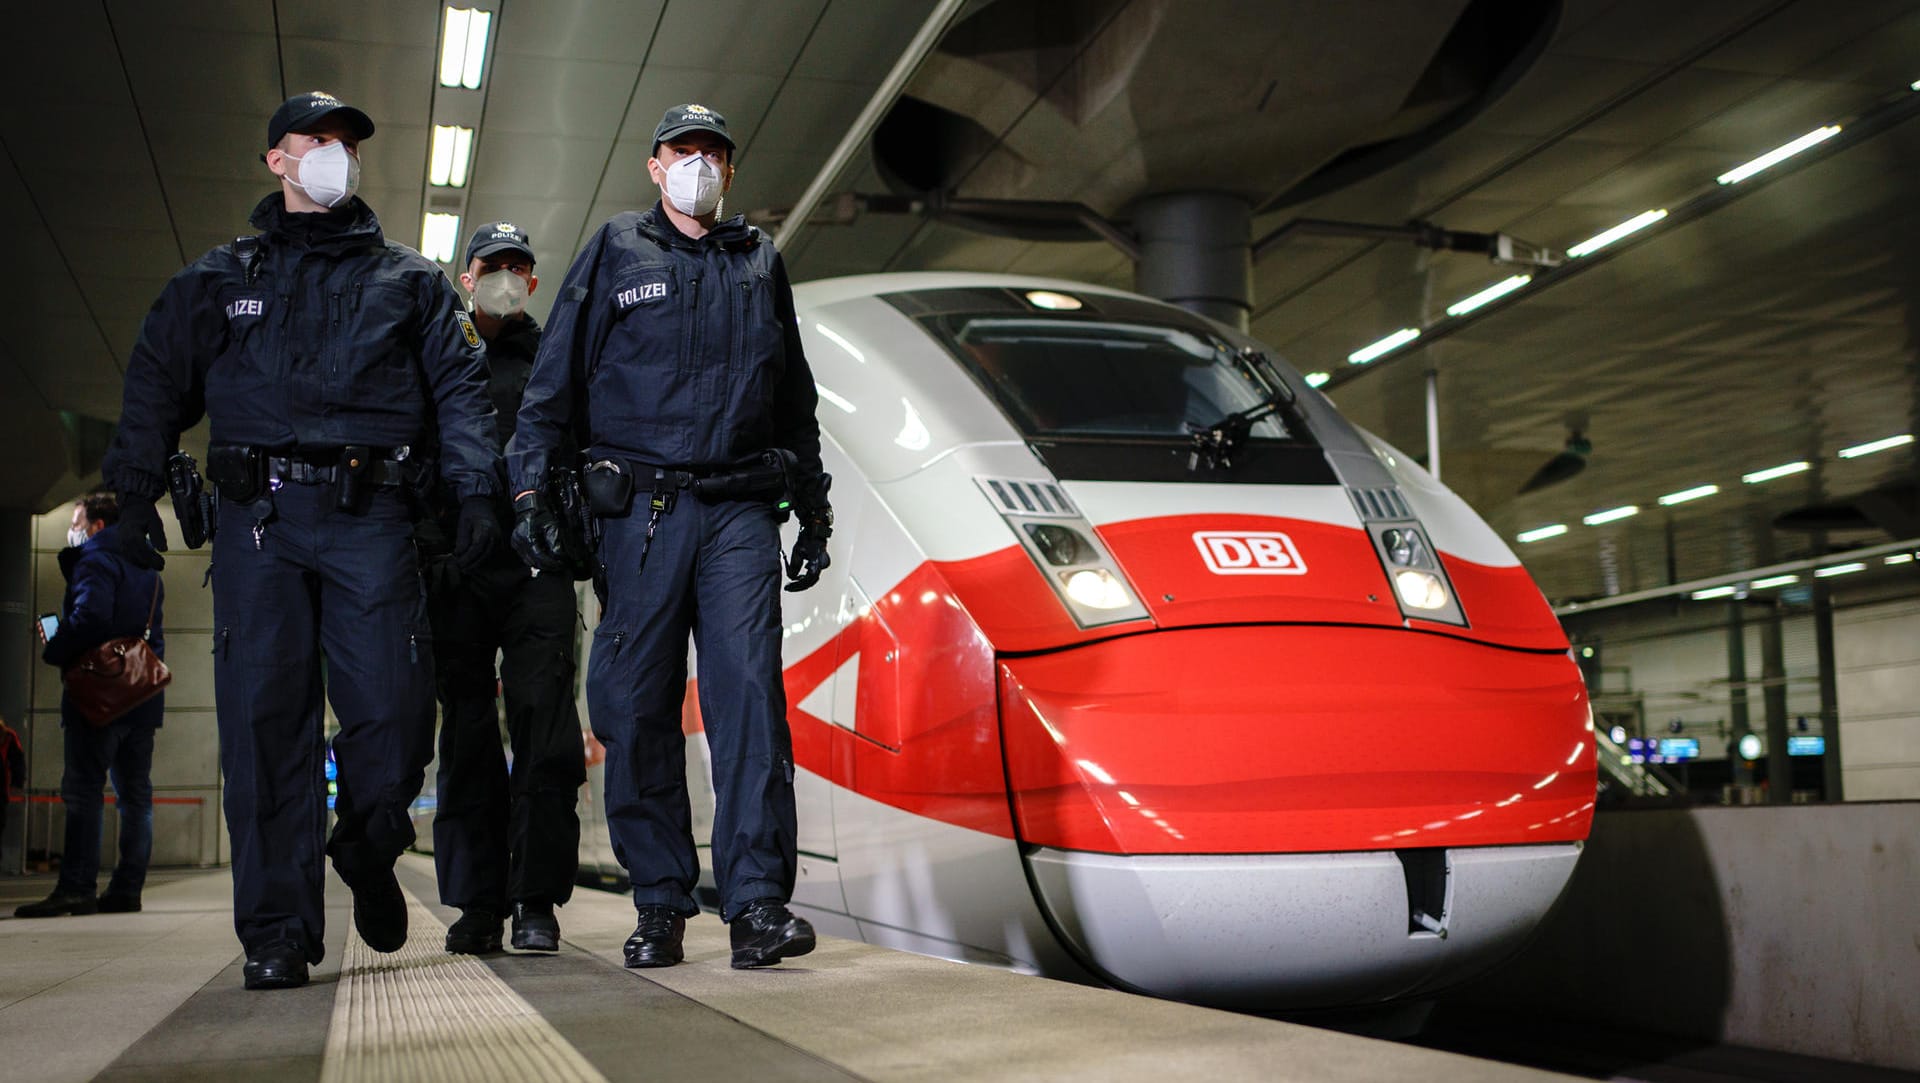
(349, 476)
(580, 531)
(238, 471)
(195, 508)
(764, 478)
(608, 485)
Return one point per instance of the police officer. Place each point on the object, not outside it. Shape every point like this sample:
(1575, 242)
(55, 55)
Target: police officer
(498, 841)
(321, 354)
(678, 328)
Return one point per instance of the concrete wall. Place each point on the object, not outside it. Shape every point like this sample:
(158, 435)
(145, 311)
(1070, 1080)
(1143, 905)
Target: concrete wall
(188, 828)
(1790, 928)
(1877, 657)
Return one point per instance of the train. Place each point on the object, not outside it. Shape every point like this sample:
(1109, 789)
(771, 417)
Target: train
(1137, 663)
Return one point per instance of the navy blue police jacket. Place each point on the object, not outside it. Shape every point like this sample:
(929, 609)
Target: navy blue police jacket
(336, 336)
(107, 597)
(671, 351)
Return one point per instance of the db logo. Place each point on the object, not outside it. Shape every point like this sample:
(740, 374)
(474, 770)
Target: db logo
(1230, 552)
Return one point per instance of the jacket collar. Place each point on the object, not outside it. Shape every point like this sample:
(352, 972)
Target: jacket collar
(732, 235)
(348, 226)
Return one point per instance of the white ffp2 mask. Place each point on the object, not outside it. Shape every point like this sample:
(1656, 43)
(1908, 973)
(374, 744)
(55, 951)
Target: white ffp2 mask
(329, 174)
(693, 185)
(500, 294)
(76, 536)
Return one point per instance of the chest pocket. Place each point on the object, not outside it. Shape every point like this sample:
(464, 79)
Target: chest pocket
(649, 319)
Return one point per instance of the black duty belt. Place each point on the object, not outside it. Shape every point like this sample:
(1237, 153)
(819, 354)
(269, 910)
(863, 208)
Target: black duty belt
(378, 469)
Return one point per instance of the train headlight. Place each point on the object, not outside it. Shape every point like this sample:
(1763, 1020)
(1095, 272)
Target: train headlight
(1405, 548)
(1097, 588)
(1060, 546)
(1419, 590)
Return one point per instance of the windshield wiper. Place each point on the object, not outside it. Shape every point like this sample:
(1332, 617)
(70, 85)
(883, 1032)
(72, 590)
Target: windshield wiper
(1217, 444)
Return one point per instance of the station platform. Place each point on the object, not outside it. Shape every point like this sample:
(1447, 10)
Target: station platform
(157, 995)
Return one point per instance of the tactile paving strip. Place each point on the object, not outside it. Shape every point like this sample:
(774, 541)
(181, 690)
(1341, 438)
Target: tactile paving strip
(421, 1014)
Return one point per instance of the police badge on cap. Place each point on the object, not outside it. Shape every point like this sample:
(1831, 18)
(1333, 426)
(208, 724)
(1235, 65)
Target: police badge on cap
(498, 237)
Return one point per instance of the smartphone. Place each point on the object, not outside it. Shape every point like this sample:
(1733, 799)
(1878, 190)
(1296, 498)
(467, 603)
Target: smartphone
(49, 624)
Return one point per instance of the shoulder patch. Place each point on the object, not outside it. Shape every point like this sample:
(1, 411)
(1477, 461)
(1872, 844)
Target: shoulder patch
(640, 293)
(467, 330)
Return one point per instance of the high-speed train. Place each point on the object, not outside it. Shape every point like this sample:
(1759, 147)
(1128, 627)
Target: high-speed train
(1136, 662)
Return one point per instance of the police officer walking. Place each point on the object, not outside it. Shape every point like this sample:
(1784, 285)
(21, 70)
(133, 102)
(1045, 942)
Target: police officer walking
(501, 840)
(321, 354)
(679, 329)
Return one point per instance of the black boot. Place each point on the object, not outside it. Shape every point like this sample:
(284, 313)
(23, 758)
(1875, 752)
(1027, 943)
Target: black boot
(380, 910)
(656, 939)
(476, 933)
(534, 927)
(111, 903)
(767, 932)
(59, 903)
(279, 965)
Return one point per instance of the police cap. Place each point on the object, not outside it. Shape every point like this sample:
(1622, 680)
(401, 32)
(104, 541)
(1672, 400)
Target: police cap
(302, 112)
(498, 237)
(681, 119)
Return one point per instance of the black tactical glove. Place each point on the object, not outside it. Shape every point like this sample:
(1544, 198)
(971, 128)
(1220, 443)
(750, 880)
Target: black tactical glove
(809, 557)
(537, 534)
(139, 535)
(477, 534)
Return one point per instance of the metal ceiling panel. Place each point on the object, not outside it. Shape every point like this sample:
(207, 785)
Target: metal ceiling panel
(745, 37)
(544, 167)
(615, 31)
(858, 41)
(540, 96)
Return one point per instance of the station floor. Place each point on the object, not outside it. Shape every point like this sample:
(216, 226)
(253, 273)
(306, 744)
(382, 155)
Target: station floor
(157, 996)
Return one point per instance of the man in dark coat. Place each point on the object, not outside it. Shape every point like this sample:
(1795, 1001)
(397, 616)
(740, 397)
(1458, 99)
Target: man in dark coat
(107, 597)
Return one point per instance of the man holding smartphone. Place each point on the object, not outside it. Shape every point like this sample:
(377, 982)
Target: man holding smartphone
(324, 356)
(108, 596)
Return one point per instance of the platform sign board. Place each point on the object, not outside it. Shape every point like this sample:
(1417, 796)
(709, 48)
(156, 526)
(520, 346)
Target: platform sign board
(1663, 749)
(1807, 746)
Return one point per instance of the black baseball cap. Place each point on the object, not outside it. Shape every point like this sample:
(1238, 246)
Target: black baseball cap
(498, 237)
(302, 111)
(682, 119)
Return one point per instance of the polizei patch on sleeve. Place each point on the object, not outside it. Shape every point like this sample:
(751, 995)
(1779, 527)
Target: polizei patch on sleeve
(242, 307)
(467, 329)
(639, 293)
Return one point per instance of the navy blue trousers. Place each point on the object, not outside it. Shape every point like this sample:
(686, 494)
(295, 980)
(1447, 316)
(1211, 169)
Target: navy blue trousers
(330, 603)
(713, 571)
(124, 752)
(503, 836)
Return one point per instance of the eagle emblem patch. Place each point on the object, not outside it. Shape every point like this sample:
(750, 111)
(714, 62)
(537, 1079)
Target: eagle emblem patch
(467, 329)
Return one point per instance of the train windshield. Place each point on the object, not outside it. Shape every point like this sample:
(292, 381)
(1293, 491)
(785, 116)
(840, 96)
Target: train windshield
(1079, 378)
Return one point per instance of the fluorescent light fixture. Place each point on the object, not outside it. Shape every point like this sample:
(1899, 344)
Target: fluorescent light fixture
(1611, 515)
(1318, 379)
(1839, 569)
(1915, 85)
(439, 235)
(1600, 240)
(1491, 293)
(1772, 472)
(463, 47)
(1367, 353)
(1900, 558)
(1698, 492)
(452, 153)
(1542, 533)
(1779, 154)
(1872, 446)
(1714, 592)
(1774, 581)
(1053, 301)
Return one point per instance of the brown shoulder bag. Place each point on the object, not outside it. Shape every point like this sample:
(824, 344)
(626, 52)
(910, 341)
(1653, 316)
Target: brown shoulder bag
(118, 675)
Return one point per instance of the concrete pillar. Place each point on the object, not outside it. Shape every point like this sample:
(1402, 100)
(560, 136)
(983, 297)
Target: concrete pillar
(1196, 251)
(1834, 790)
(1773, 671)
(1738, 722)
(19, 650)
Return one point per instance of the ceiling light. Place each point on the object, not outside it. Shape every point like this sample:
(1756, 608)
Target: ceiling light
(1318, 379)
(1398, 338)
(1773, 472)
(1839, 569)
(1714, 592)
(463, 47)
(1491, 293)
(1631, 226)
(1698, 492)
(1056, 302)
(1870, 447)
(1900, 558)
(1915, 85)
(1774, 581)
(452, 153)
(1542, 533)
(1611, 514)
(439, 234)
(1779, 154)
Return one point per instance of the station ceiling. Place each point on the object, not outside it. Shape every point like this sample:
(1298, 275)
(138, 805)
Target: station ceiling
(1776, 329)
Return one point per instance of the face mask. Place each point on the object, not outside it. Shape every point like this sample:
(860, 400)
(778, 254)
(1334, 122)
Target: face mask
(329, 175)
(76, 536)
(500, 294)
(693, 185)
